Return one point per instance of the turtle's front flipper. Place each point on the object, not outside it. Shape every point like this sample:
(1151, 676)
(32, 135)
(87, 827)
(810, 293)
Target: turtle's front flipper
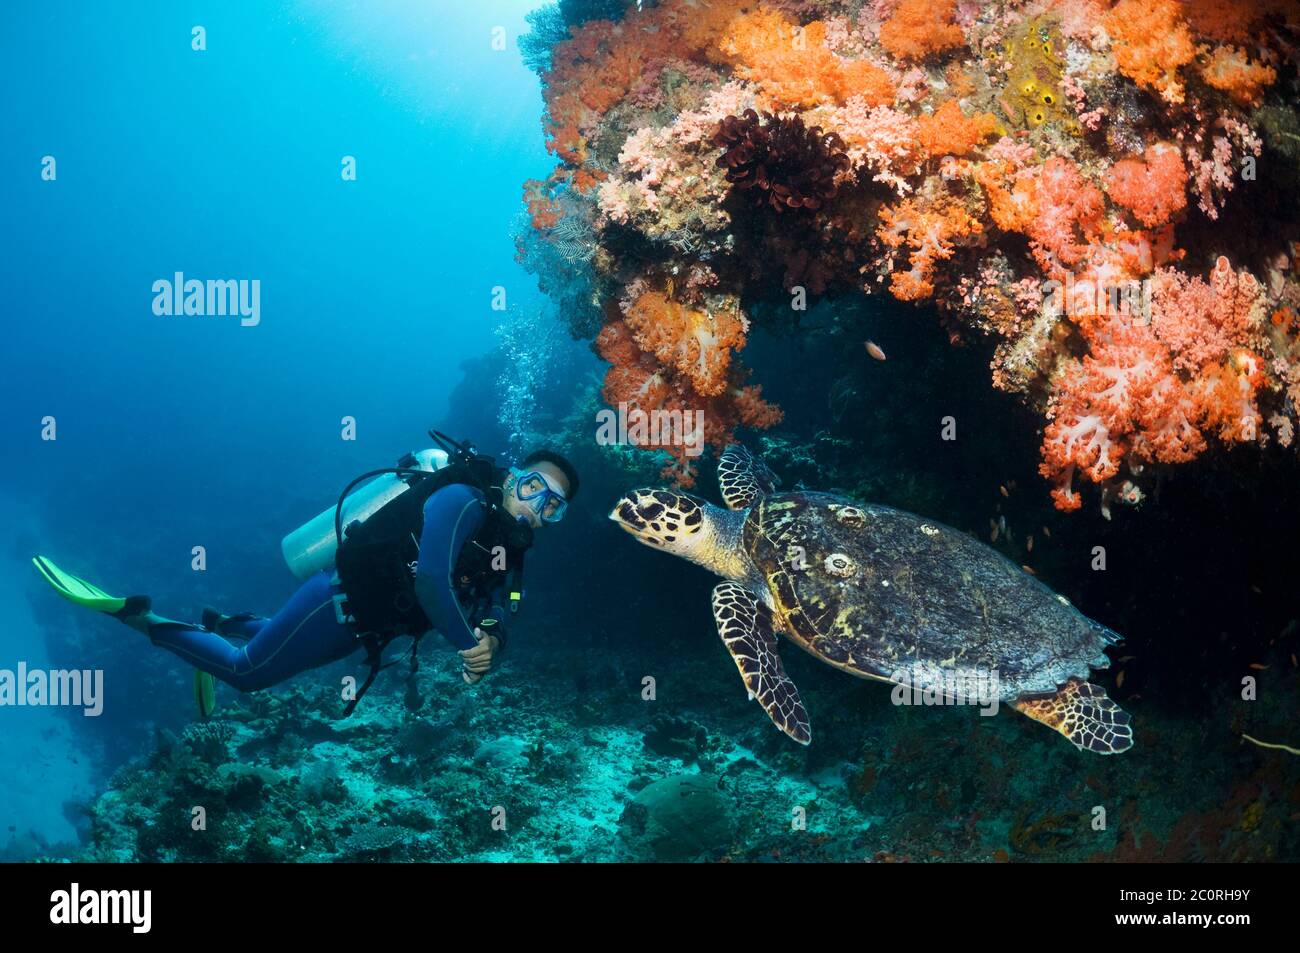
(745, 625)
(743, 478)
(1083, 713)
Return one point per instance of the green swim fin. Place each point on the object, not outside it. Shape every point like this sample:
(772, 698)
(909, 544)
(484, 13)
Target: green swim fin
(83, 593)
(205, 694)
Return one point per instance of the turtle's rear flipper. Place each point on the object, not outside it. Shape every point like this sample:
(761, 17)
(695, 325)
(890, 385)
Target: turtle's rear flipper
(745, 626)
(1083, 713)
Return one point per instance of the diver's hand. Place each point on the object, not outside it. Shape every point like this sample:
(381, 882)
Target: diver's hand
(478, 660)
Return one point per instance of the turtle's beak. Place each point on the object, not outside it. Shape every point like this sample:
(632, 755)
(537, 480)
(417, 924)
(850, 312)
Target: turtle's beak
(625, 514)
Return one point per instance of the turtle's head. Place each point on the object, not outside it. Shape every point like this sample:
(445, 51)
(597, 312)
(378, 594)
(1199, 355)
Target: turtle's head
(684, 526)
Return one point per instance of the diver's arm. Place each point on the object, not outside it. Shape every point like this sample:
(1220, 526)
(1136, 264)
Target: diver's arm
(452, 516)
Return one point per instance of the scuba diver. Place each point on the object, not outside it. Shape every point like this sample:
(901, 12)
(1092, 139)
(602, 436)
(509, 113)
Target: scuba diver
(436, 542)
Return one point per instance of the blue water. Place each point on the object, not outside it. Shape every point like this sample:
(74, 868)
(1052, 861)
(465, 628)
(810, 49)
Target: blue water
(182, 431)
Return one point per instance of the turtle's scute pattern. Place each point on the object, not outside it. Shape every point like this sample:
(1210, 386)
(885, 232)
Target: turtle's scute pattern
(922, 594)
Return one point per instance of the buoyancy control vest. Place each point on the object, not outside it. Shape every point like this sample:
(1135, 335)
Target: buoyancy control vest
(377, 557)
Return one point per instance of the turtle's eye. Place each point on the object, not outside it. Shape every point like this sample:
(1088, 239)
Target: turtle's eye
(838, 564)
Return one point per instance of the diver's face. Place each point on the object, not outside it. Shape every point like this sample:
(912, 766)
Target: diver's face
(519, 509)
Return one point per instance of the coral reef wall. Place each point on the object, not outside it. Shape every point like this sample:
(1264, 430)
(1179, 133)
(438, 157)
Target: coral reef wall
(1105, 192)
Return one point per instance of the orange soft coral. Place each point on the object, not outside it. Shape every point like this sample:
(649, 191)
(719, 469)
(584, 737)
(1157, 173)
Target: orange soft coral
(639, 382)
(919, 28)
(794, 67)
(1232, 20)
(950, 132)
(1153, 188)
(1151, 42)
(929, 232)
(543, 211)
(1231, 71)
(696, 343)
(1225, 395)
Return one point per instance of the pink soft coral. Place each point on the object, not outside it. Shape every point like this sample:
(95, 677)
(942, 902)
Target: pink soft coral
(1121, 398)
(1154, 188)
(1200, 322)
(1154, 393)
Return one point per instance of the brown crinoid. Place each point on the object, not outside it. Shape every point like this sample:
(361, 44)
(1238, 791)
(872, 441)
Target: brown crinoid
(779, 161)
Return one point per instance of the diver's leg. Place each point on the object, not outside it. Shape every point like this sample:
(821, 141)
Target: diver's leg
(303, 635)
(243, 626)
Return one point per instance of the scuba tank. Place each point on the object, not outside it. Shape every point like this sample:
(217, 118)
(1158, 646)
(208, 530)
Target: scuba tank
(313, 545)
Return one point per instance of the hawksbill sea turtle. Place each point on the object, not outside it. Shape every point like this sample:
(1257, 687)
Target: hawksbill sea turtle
(881, 594)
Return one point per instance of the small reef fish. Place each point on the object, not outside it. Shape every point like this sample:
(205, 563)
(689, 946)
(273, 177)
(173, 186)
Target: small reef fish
(874, 350)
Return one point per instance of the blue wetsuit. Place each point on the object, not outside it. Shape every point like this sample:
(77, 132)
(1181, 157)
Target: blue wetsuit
(305, 633)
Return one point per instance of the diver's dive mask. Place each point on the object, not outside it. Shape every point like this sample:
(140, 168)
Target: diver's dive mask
(533, 491)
